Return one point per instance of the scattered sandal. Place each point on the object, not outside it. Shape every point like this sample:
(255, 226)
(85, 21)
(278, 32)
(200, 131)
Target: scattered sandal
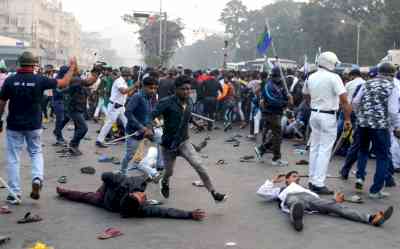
(62, 179)
(221, 162)
(198, 184)
(302, 162)
(88, 170)
(29, 218)
(4, 239)
(5, 210)
(110, 233)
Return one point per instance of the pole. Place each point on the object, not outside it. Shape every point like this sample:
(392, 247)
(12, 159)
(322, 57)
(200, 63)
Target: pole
(160, 45)
(358, 42)
(277, 62)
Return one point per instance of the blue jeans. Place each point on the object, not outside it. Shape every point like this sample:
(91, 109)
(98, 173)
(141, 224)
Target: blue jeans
(58, 106)
(131, 145)
(352, 157)
(380, 139)
(15, 141)
(80, 130)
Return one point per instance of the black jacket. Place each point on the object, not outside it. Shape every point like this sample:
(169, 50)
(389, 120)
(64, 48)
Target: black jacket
(211, 88)
(117, 187)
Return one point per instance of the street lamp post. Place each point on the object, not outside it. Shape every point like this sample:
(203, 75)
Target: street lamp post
(358, 39)
(358, 42)
(160, 48)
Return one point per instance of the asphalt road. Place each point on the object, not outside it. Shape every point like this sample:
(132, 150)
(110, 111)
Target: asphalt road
(244, 219)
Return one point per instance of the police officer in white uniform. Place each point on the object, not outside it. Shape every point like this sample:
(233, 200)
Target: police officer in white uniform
(116, 106)
(325, 90)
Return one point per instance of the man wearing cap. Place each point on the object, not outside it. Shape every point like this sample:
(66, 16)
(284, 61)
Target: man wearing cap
(377, 108)
(126, 196)
(116, 105)
(24, 92)
(324, 90)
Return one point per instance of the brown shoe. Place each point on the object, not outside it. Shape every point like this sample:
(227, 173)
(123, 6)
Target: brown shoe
(381, 217)
(36, 188)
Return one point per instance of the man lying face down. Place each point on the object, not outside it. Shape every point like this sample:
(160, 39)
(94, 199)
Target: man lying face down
(295, 199)
(126, 195)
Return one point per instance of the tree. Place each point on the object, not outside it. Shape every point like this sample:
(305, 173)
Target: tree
(149, 35)
(234, 16)
(391, 29)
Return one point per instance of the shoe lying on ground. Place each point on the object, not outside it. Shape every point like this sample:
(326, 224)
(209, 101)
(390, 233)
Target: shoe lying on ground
(359, 184)
(279, 163)
(36, 188)
(218, 197)
(231, 140)
(381, 217)
(164, 189)
(13, 201)
(296, 215)
(88, 170)
(379, 195)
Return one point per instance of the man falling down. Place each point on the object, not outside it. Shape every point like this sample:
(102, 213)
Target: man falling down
(126, 195)
(295, 199)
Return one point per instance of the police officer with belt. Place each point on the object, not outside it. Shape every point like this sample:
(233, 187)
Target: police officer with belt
(24, 93)
(325, 91)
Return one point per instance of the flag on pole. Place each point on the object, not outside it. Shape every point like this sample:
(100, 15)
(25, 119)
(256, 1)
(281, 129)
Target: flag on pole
(264, 41)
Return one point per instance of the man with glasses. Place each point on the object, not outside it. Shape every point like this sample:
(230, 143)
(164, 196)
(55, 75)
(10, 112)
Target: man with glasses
(177, 113)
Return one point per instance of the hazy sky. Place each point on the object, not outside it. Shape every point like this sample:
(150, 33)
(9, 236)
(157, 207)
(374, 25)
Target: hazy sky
(105, 16)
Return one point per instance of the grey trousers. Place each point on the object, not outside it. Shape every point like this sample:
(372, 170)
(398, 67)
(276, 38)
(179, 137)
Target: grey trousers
(186, 151)
(312, 203)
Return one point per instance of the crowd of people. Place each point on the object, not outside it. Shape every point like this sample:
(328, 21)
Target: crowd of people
(157, 105)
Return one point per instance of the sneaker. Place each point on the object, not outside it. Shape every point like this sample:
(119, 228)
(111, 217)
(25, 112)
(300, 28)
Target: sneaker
(359, 185)
(379, 195)
(379, 218)
(36, 188)
(218, 197)
(259, 154)
(296, 215)
(156, 178)
(322, 190)
(11, 200)
(164, 189)
(101, 145)
(279, 163)
(251, 137)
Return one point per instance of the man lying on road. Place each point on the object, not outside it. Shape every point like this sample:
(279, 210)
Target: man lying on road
(295, 199)
(126, 195)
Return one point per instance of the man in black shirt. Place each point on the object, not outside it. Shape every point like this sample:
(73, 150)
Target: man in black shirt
(210, 90)
(126, 196)
(177, 113)
(77, 107)
(24, 92)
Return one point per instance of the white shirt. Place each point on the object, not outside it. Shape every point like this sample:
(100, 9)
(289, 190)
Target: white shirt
(116, 95)
(324, 87)
(351, 87)
(253, 85)
(270, 192)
